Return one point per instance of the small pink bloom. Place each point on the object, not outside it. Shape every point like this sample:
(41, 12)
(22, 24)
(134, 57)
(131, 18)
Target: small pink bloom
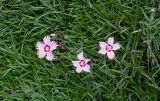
(109, 47)
(45, 48)
(82, 63)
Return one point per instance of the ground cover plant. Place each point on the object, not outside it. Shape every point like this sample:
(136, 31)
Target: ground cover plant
(80, 25)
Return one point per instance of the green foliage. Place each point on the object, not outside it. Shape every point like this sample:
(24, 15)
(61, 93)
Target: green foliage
(133, 76)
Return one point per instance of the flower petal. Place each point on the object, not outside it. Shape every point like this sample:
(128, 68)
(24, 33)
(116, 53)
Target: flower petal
(86, 68)
(111, 40)
(46, 39)
(116, 46)
(87, 60)
(102, 51)
(49, 56)
(80, 56)
(111, 55)
(53, 45)
(41, 54)
(103, 45)
(40, 46)
(76, 64)
(78, 70)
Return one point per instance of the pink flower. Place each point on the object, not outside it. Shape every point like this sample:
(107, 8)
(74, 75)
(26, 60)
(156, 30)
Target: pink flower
(82, 63)
(45, 48)
(109, 47)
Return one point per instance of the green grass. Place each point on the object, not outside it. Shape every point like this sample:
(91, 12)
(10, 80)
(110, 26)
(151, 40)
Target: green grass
(133, 76)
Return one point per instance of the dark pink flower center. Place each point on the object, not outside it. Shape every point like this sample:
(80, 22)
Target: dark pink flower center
(82, 63)
(109, 47)
(47, 48)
